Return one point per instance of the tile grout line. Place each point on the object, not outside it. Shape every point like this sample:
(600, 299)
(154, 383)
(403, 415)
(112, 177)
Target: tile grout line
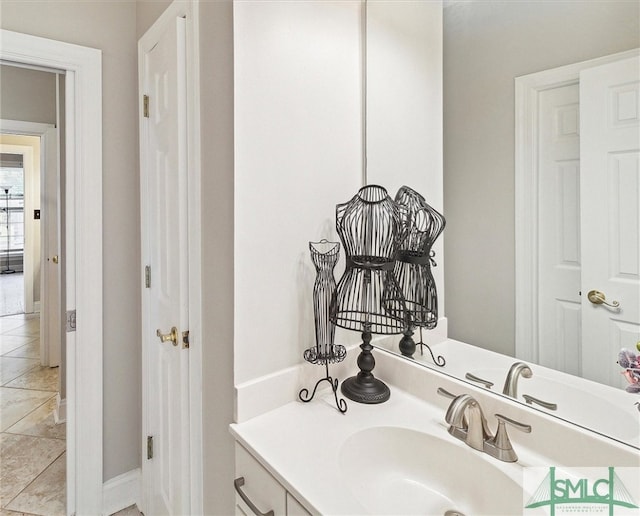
(29, 338)
(32, 481)
(21, 374)
(6, 385)
(6, 430)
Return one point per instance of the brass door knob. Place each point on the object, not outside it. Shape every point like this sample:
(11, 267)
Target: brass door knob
(598, 298)
(55, 259)
(166, 337)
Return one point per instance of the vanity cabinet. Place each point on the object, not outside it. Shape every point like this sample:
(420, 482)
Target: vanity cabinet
(261, 490)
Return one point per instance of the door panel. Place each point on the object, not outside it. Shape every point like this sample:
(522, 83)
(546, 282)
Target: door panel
(52, 311)
(610, 191)
(164, 229)
(559, 221)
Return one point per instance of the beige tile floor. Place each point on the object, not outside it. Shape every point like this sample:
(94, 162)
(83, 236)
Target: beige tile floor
(32, 446)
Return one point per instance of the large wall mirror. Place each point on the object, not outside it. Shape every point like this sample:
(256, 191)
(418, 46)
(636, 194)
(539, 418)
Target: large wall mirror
(487, 45)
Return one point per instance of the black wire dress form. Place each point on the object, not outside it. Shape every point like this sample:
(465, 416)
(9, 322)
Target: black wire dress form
(367, 297)
(413, 268)
(324, 255)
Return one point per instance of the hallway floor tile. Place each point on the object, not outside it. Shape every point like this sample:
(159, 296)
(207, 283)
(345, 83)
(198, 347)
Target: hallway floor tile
(46, 494)
(17, 403)
(32, 446)
(22, 459)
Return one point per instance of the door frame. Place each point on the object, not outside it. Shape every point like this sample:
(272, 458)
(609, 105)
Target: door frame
(48, 156)
(83, 208)
(190, 11)
(527, 91)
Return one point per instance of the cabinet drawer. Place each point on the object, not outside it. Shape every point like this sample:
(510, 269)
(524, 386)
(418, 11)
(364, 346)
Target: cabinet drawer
(264, 491)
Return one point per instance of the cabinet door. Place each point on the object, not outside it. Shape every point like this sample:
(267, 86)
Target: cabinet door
(263, 491)
(295, 508)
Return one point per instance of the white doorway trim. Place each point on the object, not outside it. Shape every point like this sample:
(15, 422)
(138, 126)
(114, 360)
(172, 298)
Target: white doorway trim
(189, 10)
(527, 91)
(83, 68)
(48, 160)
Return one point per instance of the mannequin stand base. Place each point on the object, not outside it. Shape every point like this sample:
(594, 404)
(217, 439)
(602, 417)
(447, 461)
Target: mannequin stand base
(368, 390)
(407, 345)
(340, 403)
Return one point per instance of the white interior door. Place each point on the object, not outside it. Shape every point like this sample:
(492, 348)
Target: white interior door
(50, 281)
(165, 251)
(559, 219)
(610, 197)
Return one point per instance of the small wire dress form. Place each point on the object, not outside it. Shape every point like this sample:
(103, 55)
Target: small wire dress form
(368, 297)
(413, 268)
(324, 255)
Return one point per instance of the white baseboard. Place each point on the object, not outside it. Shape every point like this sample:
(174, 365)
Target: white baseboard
(121, 492)
(60, 412)
(265, 393)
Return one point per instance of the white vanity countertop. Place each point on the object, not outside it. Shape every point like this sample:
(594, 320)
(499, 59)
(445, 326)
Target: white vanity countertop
(300, 444)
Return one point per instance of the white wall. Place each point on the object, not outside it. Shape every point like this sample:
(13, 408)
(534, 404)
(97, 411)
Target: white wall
(298, 152)
(27, 95)
(486, 45)
(111, 27)
(404, 104)
(147, 12)
(296, 105)
(297, 148)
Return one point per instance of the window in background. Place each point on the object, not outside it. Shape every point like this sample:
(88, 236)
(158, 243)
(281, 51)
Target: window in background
(12, 205)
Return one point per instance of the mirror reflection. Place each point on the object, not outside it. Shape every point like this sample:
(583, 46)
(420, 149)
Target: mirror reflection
(499, 307)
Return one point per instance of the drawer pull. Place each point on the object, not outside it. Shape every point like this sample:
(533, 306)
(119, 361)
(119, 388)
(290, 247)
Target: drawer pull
(238, 483)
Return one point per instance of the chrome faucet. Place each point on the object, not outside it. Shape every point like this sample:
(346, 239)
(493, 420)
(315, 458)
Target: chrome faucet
(467, 423)
(511, 383)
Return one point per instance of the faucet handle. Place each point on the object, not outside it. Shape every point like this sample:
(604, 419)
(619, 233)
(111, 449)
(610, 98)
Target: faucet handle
(446, 394)
(520, 426)
(502, 447)
(477, 379)
(546, 404)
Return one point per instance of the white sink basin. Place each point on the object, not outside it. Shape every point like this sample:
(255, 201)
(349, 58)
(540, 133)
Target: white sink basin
(393, 470)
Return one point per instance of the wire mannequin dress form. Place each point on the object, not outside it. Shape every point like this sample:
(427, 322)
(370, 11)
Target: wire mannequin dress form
(413, 267)
(324, 255)
(368, 297)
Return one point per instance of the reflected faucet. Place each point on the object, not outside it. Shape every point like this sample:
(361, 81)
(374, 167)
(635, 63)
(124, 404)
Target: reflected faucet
(511, 383)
